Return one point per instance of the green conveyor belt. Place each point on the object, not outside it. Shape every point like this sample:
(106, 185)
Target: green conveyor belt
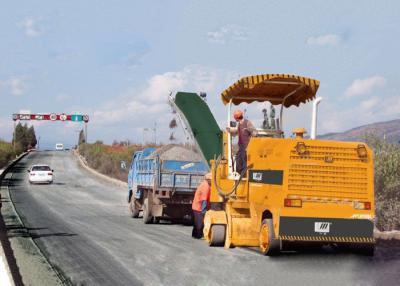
(202, 123)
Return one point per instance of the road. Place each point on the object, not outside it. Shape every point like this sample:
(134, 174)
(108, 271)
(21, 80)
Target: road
(82, 224)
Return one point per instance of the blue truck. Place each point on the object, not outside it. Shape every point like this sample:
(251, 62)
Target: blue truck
(162, 182)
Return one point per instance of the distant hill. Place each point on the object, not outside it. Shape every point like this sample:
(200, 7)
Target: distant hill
(390, 129)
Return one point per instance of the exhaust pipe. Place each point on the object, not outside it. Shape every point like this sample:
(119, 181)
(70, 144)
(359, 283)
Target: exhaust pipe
(314, 117)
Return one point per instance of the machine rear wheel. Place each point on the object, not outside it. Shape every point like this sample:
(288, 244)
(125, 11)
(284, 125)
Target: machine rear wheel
(268, 244)
(147, 218)
(133, 208)
(217, 235)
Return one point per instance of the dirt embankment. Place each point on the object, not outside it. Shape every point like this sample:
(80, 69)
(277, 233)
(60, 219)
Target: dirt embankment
(107, 159)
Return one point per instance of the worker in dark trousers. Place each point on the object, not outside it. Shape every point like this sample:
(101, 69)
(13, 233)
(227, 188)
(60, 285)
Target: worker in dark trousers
(200, 205)
(244, 130)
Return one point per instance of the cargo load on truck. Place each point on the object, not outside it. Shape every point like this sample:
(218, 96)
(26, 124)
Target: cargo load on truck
(162, 182)
(293, 189)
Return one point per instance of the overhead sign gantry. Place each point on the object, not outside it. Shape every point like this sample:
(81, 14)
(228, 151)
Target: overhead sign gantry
(51, 117)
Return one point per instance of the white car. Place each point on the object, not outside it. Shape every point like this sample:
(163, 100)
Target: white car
(40, 174)
(59, 147)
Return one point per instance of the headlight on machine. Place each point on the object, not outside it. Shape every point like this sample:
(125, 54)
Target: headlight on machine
(296, 203)
(301, 148)
(362, 205)
(362, 151)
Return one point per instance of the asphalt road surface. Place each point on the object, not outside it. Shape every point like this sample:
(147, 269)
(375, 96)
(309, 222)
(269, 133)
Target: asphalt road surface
(82, 224)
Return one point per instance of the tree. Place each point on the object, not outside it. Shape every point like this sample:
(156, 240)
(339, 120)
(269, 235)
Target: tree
(31, 137)
(21, 140)
(81, 139)
(24, 137)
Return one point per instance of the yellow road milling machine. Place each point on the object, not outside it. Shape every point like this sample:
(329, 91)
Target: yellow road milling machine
(294, 189)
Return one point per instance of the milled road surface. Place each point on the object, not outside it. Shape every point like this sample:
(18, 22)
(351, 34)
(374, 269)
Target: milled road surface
(82, 225)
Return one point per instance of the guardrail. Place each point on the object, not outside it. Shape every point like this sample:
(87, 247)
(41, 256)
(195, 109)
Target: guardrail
(5, 244)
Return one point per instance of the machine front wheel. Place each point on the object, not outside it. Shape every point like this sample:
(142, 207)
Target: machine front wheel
(217, 235)
(268, 244)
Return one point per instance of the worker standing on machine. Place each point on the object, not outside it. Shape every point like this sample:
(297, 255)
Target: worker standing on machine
(200, 205)
(244, 129)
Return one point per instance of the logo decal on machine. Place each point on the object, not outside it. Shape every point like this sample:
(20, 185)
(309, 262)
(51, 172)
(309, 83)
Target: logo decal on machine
(272, 177)
(257, 177)
(322, 227)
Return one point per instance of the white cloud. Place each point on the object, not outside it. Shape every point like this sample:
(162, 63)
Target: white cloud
(228, 33)
(373, 109)
(144, 106)
(14, 86)
(365, 86)
(324, 40)
(368, 106)
(30, 26)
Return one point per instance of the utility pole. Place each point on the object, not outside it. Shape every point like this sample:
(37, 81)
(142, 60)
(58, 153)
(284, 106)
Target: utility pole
(86, 132)
(14, 135)
(155, 133)
(144, 130)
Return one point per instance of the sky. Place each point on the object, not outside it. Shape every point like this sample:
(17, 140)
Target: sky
(118, 61)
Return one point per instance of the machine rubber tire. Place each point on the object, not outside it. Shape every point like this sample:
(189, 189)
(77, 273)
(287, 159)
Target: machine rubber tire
(132, 208)
(268, 244)
(217, 235)
(147, 218)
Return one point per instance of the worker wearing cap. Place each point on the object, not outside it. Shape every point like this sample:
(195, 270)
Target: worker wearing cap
(201, 202)
(244, 130)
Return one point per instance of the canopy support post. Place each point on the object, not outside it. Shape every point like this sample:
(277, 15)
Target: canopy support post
(283, 103)
(230, 163)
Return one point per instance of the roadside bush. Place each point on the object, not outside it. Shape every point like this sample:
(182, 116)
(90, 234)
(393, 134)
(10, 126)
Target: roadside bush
(6, 153)
(387, 182)
(107, 159)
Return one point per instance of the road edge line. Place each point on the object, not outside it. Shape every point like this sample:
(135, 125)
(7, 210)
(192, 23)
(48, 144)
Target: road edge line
(97, 173)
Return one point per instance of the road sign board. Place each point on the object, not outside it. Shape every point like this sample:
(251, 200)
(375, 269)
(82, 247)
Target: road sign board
(24, 117)
(53, 117)
(76, 117)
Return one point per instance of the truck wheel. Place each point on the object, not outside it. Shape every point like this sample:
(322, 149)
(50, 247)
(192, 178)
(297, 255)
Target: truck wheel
(217, 235)
(268, 244)
(133, 209)
(147, 218)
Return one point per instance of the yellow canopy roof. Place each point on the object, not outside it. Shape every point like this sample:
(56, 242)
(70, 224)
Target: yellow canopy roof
(275, 88)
